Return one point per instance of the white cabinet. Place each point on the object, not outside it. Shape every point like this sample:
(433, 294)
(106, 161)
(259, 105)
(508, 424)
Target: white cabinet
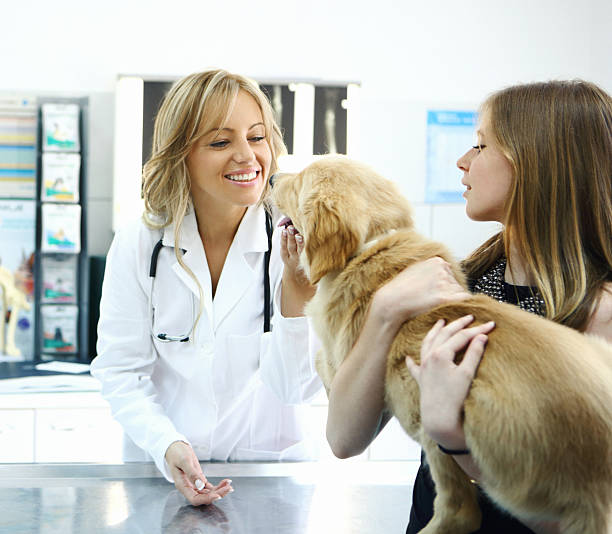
(17, 435)
(58, 427)
(78, 427)
(77, 435)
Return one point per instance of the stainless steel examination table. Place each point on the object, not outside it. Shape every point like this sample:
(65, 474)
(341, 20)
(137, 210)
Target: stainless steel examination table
(311, 498)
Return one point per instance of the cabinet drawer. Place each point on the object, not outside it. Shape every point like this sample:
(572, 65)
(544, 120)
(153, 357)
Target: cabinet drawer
(77, 435)
(16, 436)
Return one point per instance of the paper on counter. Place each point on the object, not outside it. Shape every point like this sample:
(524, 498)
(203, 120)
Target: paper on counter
(50, 384)
(63, 367)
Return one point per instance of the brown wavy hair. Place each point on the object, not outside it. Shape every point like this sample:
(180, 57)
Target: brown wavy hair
(557, 137)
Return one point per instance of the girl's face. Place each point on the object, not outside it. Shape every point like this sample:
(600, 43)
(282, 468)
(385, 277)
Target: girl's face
(487, 174)
(228, 168)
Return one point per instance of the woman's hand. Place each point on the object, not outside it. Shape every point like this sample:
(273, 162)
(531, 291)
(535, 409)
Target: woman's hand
(417, 289)
(297, 289)
(291, 246)
(188, 477)
(443, 384)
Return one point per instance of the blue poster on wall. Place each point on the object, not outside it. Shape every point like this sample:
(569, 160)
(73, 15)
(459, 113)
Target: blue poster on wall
(449, 135)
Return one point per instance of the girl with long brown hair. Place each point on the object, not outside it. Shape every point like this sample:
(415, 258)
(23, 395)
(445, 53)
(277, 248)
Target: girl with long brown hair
(542, 167)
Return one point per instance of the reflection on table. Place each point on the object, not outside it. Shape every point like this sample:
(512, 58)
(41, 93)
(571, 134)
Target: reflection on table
(336, 497)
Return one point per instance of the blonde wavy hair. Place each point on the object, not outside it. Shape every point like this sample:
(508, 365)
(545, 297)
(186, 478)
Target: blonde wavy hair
(557, 137)
(194, 105)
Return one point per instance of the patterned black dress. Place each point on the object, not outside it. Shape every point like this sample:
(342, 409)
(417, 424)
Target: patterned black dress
(494, 520)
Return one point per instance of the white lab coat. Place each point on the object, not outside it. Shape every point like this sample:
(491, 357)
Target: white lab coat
(232, 392)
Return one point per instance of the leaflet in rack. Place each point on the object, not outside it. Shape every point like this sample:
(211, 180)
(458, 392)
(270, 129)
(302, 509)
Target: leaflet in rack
(60, 177)
(59, 278)
(60, 128)
(59, 327)
(61, 228)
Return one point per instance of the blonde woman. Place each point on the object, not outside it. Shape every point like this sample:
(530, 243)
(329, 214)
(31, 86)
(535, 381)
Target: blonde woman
(542, 167)
(203, 351)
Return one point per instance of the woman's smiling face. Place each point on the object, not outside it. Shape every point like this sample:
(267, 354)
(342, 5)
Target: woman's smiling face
(230, 164)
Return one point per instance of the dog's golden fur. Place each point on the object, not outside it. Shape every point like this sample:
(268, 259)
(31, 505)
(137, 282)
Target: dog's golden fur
(538, 418)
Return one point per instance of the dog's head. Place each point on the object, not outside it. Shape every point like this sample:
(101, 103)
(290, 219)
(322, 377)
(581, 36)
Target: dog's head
(338, 204)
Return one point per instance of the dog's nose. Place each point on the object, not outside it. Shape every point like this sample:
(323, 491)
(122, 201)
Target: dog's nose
(273, 178)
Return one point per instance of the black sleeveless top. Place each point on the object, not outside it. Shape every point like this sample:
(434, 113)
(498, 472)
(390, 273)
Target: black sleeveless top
(494, 520)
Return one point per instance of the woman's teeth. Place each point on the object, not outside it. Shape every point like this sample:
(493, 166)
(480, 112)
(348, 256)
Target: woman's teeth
(242, 177)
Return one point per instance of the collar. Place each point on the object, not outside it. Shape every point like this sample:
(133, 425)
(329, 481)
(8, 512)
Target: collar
(251, 235)
(373, 242)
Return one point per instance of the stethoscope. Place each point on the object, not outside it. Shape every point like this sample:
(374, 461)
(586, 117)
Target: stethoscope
(162, 336)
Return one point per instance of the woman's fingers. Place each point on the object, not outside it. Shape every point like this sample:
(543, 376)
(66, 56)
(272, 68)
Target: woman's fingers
(438, 336)
(413, 368)
(283, 245)
(199, 499)
(473, 354)
(445, 341)
(222, 491)
(189, 478)
(433, 333)
(459, 339)
(437, 340)
(207, 495)
(455, 335)
(291, 246)
(299, 244)
(185, 466)
(290, 232)
(184, 485)
(455, 326)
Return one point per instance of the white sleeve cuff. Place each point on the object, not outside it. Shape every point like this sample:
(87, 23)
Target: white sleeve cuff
(159, 454)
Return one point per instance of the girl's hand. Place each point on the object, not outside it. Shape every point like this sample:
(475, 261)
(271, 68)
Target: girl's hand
(356, 411)
(418, 288)
(189, 479)
(443, 384)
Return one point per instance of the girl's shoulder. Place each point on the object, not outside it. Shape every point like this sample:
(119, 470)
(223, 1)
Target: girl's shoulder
(601, 320)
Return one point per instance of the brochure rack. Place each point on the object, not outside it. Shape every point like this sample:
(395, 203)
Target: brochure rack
(61, 264)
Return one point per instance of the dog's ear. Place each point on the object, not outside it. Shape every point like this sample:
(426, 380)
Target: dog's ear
(330, 240)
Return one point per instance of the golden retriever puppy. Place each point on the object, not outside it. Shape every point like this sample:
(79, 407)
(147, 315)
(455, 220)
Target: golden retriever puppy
(538, 418)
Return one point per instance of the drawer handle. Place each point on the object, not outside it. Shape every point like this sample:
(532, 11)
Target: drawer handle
(61, 428)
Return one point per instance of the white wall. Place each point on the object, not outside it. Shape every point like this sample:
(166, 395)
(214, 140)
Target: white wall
(408, 55)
